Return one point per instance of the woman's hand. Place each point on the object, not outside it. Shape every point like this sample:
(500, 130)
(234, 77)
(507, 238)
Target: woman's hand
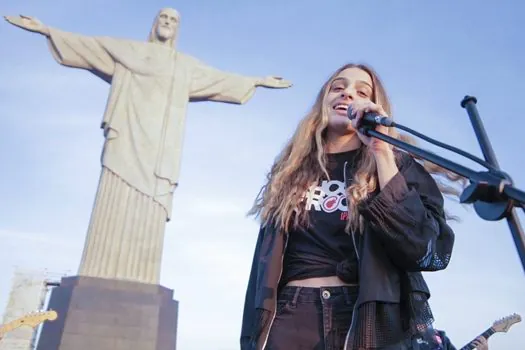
(382, 151)
(359, 109)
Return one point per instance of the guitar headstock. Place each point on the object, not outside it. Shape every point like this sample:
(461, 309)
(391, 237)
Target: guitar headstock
(505, 323)
(32, 320)
(35, 318)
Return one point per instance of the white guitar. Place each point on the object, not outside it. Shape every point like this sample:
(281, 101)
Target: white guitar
(502, 325)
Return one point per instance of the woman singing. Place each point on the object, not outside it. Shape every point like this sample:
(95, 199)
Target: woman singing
(348, 224)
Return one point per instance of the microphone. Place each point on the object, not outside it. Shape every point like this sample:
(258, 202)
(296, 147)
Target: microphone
(371, 119)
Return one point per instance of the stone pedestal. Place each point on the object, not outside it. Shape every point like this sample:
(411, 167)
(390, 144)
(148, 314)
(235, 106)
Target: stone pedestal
(104, 314)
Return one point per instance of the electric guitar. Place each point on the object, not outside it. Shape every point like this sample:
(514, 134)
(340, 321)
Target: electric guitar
(502, 325)
(32, 320)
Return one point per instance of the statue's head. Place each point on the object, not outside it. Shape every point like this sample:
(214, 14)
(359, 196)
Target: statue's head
(165, 27)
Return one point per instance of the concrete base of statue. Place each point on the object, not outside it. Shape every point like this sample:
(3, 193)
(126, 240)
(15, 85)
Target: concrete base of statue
(106, 314)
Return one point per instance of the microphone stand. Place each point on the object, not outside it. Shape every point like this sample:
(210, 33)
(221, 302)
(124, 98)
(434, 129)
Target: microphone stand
(491, 192)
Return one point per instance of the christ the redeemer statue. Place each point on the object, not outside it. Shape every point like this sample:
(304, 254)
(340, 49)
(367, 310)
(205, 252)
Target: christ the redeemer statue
(151, 85)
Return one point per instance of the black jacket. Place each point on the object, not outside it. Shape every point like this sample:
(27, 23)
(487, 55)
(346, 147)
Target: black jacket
(405, 233)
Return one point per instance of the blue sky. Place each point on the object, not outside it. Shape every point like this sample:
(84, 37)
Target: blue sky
(429, 54)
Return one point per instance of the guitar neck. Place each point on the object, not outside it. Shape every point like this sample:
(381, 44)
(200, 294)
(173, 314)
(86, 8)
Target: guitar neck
(485, 334)
(3, 329)
(6, 328)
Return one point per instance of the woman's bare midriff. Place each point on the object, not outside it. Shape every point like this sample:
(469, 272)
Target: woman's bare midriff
(318, 282)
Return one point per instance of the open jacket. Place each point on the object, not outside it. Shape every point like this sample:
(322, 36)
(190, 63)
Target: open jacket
(405, 233)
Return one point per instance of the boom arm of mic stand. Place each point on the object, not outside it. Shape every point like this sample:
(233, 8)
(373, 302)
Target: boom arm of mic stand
(491, 192)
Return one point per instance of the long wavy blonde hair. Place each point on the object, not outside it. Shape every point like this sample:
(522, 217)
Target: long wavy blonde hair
(302, 163)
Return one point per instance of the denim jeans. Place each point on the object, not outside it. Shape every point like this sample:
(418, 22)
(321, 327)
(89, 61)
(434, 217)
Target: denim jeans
(312, 318)
(315, 319)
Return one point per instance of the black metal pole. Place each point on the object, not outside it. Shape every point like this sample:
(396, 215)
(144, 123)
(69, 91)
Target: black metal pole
(431, 157)
(491, 180)
(469, 103)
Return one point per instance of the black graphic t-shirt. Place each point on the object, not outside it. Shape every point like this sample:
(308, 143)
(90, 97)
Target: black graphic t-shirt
(324, 248)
